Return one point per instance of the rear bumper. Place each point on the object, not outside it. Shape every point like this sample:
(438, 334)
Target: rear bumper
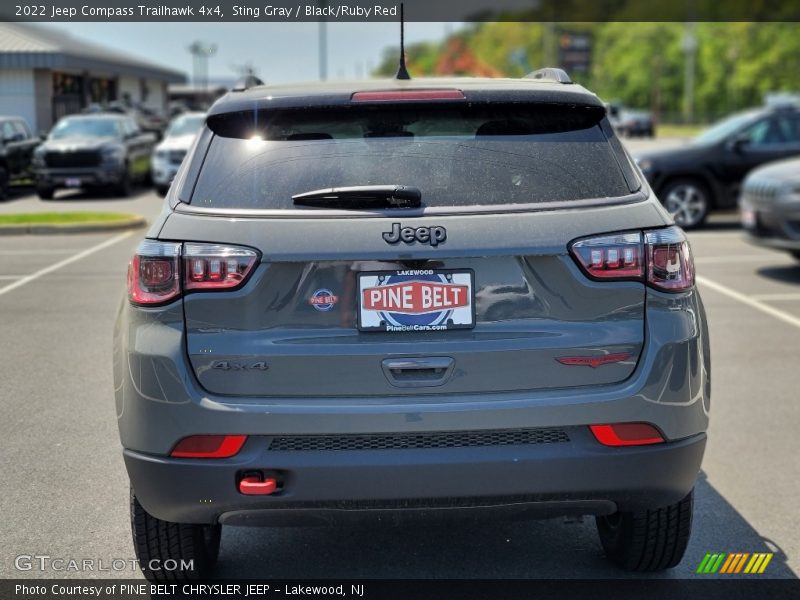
(163, 172)
(578, 476)
(775, 225)
(774, 242)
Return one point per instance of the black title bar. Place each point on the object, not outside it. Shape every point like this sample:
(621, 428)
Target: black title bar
(277, 11)
(408, 589)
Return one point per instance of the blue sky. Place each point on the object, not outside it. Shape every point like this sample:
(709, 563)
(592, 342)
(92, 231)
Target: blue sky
(280, 52)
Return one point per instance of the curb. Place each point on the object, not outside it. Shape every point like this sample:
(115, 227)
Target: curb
(89, 227)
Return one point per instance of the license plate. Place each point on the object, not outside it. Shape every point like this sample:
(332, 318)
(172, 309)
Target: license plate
(749, 218)
(416, 300)
(72, 182)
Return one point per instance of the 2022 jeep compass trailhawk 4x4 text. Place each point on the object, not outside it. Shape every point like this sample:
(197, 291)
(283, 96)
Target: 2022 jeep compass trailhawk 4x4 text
(456, 295)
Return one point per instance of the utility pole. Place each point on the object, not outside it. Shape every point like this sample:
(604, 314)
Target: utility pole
(548, 42)
(690, 49)
(323, 44)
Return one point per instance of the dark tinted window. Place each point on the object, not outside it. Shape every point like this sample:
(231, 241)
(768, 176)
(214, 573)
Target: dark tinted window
(456, 155)
(22, 129)
(7, 131)
(781, 128)
(86, 127)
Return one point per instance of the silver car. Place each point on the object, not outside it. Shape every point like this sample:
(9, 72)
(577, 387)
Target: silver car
(170, 152)
(770, 206)
(447, 296)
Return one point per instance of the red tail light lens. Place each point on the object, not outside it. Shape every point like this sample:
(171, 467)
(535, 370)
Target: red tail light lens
(626, 434)
(154, 275)
(670, 266)
(661, 257)
(209, 446)
(617, 256)
(407, 95)
(211, 266)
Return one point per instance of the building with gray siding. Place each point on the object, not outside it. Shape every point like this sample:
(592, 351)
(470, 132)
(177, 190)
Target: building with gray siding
(46, 74)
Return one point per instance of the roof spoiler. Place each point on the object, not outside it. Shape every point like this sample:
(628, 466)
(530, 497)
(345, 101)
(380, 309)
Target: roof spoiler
(549, 74)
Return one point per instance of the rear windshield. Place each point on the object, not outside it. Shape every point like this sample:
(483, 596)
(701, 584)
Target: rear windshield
(455, 155)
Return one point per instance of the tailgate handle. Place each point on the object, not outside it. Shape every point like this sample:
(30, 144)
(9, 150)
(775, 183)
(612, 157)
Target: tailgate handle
(430, 371)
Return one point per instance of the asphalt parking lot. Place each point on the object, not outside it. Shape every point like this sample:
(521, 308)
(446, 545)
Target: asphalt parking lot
(65, 490)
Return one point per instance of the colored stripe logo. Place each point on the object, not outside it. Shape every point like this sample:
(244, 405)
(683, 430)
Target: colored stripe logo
(734, 562)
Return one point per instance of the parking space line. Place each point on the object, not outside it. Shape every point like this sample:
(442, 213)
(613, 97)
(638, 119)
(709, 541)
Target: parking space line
(65, 262)
(776, 297)
(32, 252)
(734, 258)
(748, 300)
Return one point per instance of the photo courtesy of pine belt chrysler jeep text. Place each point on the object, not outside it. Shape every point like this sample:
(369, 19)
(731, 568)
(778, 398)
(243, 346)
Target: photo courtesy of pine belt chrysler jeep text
(442, 297)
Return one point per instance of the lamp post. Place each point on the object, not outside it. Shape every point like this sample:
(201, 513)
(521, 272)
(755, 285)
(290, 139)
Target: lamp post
(690, 49)
(201, 52)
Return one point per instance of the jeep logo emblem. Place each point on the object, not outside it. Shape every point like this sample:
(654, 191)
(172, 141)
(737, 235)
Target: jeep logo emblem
(424, 235)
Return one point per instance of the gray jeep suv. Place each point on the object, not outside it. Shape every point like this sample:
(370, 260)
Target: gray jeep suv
(443, 296)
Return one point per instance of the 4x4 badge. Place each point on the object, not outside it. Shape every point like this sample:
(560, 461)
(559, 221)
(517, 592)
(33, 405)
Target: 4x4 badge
(234, 365)
(425, 235)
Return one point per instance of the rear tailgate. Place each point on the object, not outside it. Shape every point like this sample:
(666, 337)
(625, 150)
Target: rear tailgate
(292, 330)
(335, 306)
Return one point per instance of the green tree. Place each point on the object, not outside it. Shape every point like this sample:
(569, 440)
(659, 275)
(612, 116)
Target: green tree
(640, 64)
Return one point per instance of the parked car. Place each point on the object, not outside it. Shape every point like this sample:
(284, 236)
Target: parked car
(614, 113)
(146, 118)
(16, 153)
(402, 297)
(150, 121)
(770, 206)
(169, 154)
(707, 174)
(98, 150)
(636, 123)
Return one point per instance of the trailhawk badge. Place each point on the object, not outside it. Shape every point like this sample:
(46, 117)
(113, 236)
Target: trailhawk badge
(416, 300)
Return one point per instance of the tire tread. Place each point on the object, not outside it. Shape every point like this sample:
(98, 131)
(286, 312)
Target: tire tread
(650, 540)
(155, 539)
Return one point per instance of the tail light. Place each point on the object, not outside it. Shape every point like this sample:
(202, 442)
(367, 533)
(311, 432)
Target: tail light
(407, 95)
(161, 271)
(670, 265)
(154, 273)
(661, 257)
(210, 266)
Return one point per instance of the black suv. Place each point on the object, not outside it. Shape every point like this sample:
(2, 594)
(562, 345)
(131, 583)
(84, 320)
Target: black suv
(16, 151)
(708, 173)
(93, 151)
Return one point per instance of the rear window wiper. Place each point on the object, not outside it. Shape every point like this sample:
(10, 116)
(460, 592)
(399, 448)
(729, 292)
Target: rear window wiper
(362, 196)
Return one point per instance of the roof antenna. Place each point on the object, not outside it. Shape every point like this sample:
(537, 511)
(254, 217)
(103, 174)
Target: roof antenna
(402, 72)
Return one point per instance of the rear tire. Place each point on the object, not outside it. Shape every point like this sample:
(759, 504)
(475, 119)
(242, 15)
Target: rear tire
(3, 183)
(157, 540)
(123, 187)
(648, 540)
(45, 193)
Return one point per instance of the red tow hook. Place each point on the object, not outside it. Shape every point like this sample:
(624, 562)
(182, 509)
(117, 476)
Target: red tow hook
(253, 485)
